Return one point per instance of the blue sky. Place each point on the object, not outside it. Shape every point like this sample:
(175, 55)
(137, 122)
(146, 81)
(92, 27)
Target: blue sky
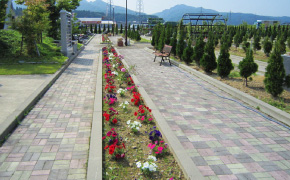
(259, 7)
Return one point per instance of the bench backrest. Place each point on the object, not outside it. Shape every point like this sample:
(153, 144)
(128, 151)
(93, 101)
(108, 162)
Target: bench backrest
(167, 49)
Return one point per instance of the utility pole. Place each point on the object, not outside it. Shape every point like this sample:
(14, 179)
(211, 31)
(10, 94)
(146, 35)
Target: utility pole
(126, 43)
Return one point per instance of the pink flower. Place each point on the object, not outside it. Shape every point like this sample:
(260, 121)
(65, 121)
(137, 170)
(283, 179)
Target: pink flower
(153, 146)
(160, 149)
(143, 117)
(123, 70)
(157, 152)
(171, 178)
(109, 133)
(150, 119)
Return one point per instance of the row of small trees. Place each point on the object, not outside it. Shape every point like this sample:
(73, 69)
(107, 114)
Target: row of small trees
(203, 52)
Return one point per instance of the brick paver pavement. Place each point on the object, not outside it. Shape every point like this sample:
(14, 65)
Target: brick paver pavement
(52, 142)
(223, 139)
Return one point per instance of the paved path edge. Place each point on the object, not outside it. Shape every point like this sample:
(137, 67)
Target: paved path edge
(272, 111)
(181, 156)
(95, 160)
(16, 117)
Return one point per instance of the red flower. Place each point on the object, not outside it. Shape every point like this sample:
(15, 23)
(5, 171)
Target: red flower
(107, 116)
(112, 149)
(124, 145)
(115, 141)
(118, 156)
(106, 147)
(114, 134)
(142, 111)
(115, 121)
(104, 137)
(135, 113)
(150, 110)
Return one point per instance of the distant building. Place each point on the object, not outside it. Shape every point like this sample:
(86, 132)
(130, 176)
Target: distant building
(89, 21)
(10, 14)
(266, 22)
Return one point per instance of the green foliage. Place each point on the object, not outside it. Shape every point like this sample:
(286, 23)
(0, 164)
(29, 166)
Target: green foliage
(180, 43)
(9, 42)
(257, 44)
(168, 33)
(104, 27)
(287, 81)
(121, 29)
(288, 42)
(208, 60)
(198, 50)
(275, 73)
(247, 66)
(99, 29)
(224, 63)
(32, 24)
(237, 39)
(245, 44)
(3, 5)
(173, 43)
(267, 45)
(281, 45)
(161, 41)
(187, 53)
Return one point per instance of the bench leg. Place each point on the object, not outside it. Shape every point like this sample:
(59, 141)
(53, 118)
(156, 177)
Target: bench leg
(161, 60)
(154, 59)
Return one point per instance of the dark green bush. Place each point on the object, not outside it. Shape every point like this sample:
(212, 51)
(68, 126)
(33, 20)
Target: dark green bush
(9, 42)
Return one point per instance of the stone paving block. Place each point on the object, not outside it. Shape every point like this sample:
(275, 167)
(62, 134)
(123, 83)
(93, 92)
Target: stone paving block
(221, 169)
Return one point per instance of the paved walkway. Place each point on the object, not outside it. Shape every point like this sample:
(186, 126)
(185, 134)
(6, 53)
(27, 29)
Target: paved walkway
(222, 138)
(52, 142)
(15, 89)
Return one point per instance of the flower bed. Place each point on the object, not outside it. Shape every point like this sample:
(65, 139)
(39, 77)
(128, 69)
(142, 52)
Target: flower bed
(133, 146)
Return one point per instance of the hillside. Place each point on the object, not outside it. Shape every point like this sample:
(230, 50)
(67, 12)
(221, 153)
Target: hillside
(175, 14)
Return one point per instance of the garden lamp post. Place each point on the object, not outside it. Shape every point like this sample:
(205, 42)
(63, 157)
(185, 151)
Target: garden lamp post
(126, 27)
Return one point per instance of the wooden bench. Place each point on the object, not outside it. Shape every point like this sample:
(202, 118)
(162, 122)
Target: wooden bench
(164, 54)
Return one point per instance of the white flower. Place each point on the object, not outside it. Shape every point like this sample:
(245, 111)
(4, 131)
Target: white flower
(129, 121)
(152, 158)
(138, 164)
(115, 72)
(145, 165)
(126, 102)
(137, 128)
(152, 167)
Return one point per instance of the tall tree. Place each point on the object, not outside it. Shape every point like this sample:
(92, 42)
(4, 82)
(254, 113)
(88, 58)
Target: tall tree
(247, 66)
(3, 6)
(99, 29)
(224, 63)
(267, 46)
(275, 73)
(173, 43)
(180, 43)
(33, 22)
(187, 53)
(198, 50)
(121, 29)
(208, 60)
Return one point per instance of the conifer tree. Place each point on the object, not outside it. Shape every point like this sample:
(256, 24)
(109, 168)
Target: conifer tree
(224, 63)
(245, 44)
(99, 29)
(104, 28)
(161, 41)
(187, 53)
(282, 45)
(116, 30)
(180, 43)
(208, 60)
(173, 43)
(247, 66)
(96, 29)
(267, 46)
(121, 29)
(257, 45)
(275, 73)
(198, 50)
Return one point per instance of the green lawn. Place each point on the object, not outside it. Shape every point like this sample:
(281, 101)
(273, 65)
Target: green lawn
(25, 69)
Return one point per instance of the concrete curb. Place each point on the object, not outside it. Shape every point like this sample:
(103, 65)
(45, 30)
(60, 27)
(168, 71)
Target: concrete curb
(181, 156)
(12, 120)
(252, 101)
(95, 160)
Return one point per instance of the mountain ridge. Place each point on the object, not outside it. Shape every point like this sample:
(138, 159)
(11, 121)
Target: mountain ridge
(175, 14)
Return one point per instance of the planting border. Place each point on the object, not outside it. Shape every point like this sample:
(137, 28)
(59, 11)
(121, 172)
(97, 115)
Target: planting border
(95, 159)
(181, 156)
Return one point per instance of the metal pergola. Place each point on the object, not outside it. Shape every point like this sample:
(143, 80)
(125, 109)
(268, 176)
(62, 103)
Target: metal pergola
(203, 22)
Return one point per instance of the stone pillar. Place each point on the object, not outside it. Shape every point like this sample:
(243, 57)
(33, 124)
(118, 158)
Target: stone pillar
(286, 63)
(66, 32)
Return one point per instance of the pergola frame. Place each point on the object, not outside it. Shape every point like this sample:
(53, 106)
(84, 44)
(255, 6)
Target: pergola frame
(197, 21)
